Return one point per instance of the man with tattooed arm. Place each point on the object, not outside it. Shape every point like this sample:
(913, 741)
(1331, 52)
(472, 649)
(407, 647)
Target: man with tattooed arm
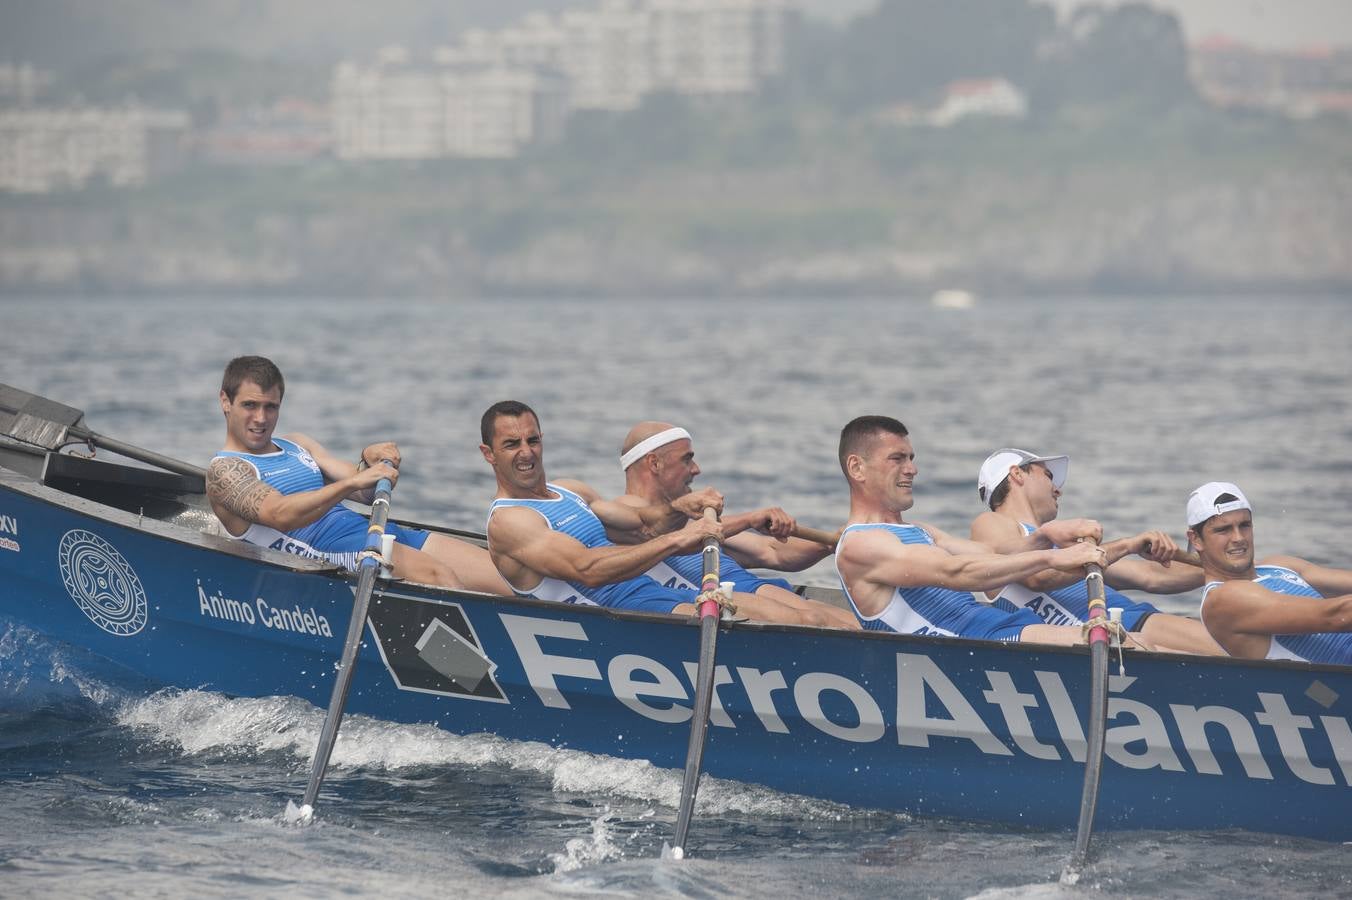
(286, 492)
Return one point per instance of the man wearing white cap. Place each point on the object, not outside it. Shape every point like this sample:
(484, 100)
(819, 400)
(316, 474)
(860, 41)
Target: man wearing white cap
(913, 578)
(659, 465)
(1023, 491)
(1284, 608)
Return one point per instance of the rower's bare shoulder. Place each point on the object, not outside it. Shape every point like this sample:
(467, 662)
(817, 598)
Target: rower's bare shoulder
(233, 486)
(990, 525)
(864, 546)
(1294, 563)
(581, 488)
(509, 522)
(226, 473)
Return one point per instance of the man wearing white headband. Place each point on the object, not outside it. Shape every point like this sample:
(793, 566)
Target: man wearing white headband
(1022, 490)
(659, 464)
(1283, 608)
(552, 540)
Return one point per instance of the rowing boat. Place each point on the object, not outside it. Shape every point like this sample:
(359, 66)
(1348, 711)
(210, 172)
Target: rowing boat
(128, 563)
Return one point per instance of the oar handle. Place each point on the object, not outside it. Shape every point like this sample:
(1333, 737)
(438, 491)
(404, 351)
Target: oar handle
(383, 489)
(1182, 555)
(816, 535)
(1188, 557)
(1098, 603)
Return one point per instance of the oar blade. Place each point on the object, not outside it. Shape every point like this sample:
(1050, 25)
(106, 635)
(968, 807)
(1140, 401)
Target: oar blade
(34, 419)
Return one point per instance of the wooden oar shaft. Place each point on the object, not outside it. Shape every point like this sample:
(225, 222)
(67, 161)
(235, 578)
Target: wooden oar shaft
(131, 451)
(816, 535)
(1188, 557)
(366, 579)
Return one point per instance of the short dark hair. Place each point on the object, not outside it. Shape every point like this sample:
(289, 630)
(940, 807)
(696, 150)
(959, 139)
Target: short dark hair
(860, 432)
(503, 408)
(258, 369)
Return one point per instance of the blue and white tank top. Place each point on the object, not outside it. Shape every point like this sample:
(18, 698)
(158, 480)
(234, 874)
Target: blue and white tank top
(1068, 605)
(935, 610)
(292, 470)
(1322, 647)
(569, 514)
(687, 572)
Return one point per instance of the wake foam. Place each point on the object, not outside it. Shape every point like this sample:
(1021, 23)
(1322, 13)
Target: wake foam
(201, 722)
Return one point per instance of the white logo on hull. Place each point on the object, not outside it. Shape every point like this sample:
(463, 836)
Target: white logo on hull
(102, 583)
(9, 525)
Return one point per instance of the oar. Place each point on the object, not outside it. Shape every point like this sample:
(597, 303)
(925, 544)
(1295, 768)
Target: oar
(1098, 721)
(704, 690)
(369, 567)
(45, 423)
(816, 535)
(1183, 555)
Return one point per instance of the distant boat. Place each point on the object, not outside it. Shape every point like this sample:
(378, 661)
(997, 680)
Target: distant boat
(953, 299)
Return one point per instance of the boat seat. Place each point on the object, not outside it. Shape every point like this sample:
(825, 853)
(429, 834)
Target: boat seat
(152, 493)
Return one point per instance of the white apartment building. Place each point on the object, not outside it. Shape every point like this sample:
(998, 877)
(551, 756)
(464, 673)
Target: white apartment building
(46, 149)
(716, 47)
(392, 110)
(494, 92)
(621, 50)
(605, 53)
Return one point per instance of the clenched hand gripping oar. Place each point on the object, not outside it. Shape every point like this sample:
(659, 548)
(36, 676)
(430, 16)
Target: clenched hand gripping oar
(366, 579)
(1098, 627)
(709, 610)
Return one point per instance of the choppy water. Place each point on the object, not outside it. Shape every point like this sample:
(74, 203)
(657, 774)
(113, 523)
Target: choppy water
(108, 788)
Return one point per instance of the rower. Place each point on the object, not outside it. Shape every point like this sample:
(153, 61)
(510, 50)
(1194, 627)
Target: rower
(1022, 491)
(285, 492)
(914, 578)
(549, 538)
(1285, 607)
(659, 466)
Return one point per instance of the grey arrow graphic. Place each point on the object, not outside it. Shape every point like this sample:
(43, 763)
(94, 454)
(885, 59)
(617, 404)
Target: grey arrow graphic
(451, 655)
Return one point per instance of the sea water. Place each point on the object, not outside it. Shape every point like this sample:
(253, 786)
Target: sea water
(109, 786)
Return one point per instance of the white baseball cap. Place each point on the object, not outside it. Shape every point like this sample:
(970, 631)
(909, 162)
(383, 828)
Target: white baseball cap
(996, 469)
(1202, 503)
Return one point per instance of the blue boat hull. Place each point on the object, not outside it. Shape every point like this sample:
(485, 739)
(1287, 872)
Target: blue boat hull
(931, 726)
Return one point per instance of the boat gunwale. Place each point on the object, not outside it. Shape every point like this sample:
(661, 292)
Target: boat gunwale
(184, 535)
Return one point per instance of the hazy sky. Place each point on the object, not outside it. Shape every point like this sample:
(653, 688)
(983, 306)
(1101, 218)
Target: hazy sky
(1266, 23)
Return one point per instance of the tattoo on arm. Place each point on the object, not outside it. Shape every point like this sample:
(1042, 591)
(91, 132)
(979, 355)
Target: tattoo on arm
(234, 485)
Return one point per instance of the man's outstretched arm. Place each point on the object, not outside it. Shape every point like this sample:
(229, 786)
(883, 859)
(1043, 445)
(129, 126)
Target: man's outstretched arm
(1242, 607)
(523, 538)
(1324, 579)
(234, 488)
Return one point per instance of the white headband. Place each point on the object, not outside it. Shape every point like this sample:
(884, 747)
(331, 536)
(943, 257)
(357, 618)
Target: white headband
(648, 445)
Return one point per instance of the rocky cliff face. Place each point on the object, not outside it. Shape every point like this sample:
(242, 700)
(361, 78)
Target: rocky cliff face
(1280, 230)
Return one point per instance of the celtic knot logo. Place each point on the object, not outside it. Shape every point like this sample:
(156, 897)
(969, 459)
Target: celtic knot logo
(102, 583)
